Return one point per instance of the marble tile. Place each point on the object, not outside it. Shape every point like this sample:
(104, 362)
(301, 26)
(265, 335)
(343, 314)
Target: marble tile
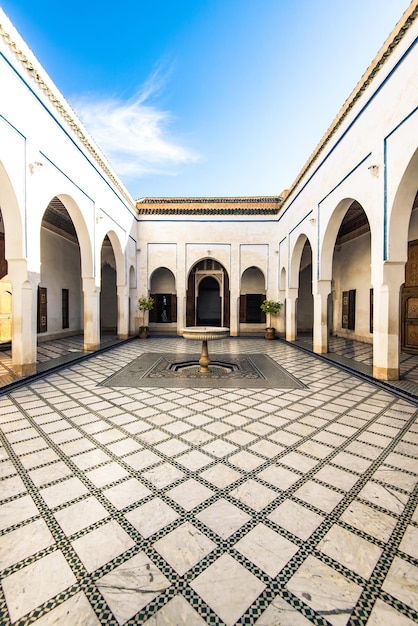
(254, 494)
(54, 576)
(184, 547)
(86, 460)
(163, 475)
(409, 543)
(266, 549)
(280, 613)
(78, 607)
(177, 611)
(63, 492)
(221, 475)
(383, 614)
(240, 437)
(16, 511)
(190, 494)
(197, 436)
(11, 487)
(298, 461)
(402, 582)
(246, 461)
(267, 448)
(50, 473)
(23, 542)
(80, 515)
(102, 545)
(384, 497)
(219, 448)
(325, 591)
(194, 460)
(314, 448)
(125, 446)
(228, 588)
(151, 517)
(403, 462)
(131, 586)
(350, 461)
(279, 476)
(319, 496)
(396, 478)
(350, 550)
(223, 517)
(126, 493)
(107, 474)
(151, 437)
(40, 457)
(336, 477)
(142, 459)
(75, 447)
(296, 519)
(369, 520)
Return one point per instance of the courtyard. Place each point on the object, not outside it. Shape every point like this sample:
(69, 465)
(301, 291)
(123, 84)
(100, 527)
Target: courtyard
(218, 504)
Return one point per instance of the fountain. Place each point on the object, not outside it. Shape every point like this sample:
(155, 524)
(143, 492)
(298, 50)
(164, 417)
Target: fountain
(205, 334)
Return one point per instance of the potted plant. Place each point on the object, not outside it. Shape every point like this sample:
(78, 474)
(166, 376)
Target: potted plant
(270, 307)
(145, 303)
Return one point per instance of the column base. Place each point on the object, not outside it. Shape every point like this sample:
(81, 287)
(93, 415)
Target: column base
(386, 373)
(90, 347)
(25, 369)
(123, 336)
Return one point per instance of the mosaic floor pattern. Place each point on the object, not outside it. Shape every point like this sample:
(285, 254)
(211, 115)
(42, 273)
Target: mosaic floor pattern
(156, 369)
(211, 505)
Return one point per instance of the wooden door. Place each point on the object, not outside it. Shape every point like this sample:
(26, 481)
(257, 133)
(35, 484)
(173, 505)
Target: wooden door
(409, 312)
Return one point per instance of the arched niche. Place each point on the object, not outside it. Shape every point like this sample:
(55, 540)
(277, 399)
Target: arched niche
(163, 291)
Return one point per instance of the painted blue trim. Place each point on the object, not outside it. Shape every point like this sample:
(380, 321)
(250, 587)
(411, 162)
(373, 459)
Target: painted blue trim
(359, 114)
(66, 133)
(385, 183)
(13, 127)
(66, 176)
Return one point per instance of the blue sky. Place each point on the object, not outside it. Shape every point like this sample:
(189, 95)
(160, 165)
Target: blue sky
(206, 97)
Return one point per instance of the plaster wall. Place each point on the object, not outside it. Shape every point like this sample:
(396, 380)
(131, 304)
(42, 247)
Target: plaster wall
(61, 270)
(352, 271)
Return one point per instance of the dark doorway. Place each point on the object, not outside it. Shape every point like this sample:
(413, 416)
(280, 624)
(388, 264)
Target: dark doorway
(209, 303)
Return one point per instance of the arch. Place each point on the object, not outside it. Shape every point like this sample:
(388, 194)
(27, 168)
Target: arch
(162, 280)
(253, 280)
(83, 235)
(398, 225)
(163, 290)
(119, 257)
(12, 219)
(295, 260)
(208, 267)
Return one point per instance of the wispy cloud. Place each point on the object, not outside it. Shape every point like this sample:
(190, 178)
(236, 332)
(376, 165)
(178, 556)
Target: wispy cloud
(134, 134)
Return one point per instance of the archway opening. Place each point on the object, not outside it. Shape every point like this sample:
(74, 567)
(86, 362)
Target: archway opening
(253, 293)
(352, 301)
(60, 298)
(208, 303)
(163, 291)
(108, 292)
(207, 300)
(305, 299)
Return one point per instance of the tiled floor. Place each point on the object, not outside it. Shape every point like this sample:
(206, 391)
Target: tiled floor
(171, 506)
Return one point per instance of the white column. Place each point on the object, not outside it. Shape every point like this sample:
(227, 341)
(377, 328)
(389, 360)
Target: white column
(181, 286)
(320, 325)
(24, 317)
(386, 322)
(123, 311)
(291, 327)
(91, 314)
(234, 291)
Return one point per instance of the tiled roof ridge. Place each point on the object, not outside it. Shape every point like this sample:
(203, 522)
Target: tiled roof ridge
(213, 200)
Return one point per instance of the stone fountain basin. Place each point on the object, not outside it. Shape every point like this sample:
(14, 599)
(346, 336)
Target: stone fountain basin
(205, 333)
